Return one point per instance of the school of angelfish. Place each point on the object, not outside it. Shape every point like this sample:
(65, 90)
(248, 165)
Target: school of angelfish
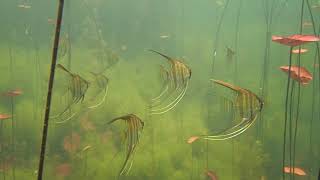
(72, 94)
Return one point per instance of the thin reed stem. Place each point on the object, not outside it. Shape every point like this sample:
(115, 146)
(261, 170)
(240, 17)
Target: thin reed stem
(286, 114)
(217, 35)
(50, 87)
(13, 139)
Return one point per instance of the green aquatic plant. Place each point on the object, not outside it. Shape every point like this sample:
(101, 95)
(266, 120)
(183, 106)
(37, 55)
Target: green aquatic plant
(176, 81)
(132, 136)
(2, 145)
(192, 110)
(314, 90)
(248, 105)
(77, 87)
(12, 95)
(302, 76)
(259, 159)
(270, 9)
(68, 35)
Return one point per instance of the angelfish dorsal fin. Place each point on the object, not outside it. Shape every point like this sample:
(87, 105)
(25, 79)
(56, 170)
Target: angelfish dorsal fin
(230, 86)
(64, 69)
(163, 55)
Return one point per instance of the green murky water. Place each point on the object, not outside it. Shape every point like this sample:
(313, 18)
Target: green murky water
(111, 39)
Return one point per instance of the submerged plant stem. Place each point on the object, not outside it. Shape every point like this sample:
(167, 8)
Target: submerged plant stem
(85, 164)
(236, 43)
(316, 59)
(2, 149)
(13, 139)
(298, 100)
(286, 114)
(207, 154)
(12, 112)
(291, 107)
(217, 35)
(50, 87)
(69, 19)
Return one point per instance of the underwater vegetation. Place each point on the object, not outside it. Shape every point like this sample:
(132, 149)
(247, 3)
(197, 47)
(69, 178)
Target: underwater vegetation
(150, 89)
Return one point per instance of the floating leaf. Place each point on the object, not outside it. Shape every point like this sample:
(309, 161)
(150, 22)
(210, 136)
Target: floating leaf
(299, 74)
(295, 170)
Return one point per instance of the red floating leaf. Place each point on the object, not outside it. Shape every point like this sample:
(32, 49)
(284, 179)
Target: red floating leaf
(298, 51)
(13, 93)
(5, 116)
(295, 40)
(305, 75)
(304, 38)
(295, 170)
